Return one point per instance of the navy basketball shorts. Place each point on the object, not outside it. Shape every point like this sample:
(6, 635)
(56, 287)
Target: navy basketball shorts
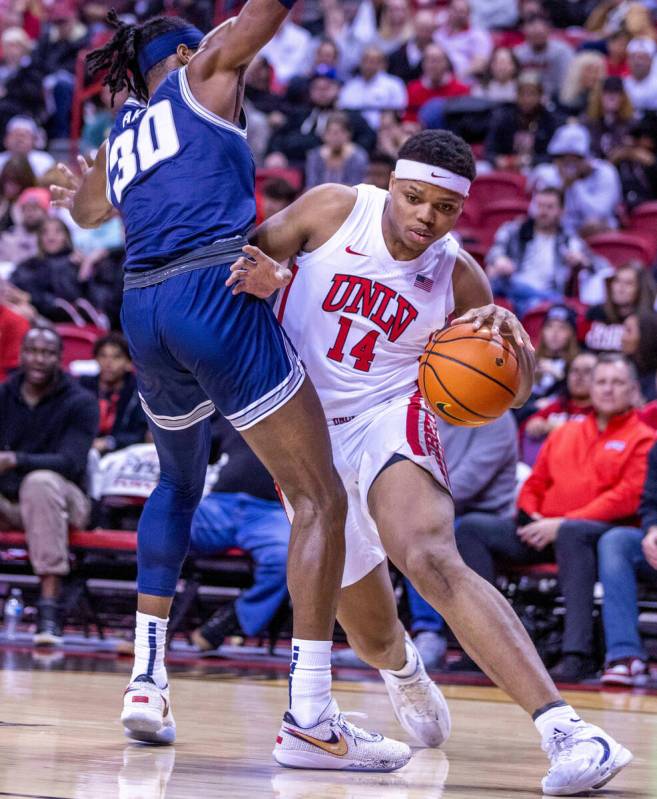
(196, 347)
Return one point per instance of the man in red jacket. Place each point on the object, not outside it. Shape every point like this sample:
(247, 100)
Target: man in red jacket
(12, 329)
(588, 475)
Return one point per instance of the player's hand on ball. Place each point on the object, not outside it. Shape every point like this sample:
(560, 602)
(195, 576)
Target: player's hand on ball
(497, 320)
(257, 274)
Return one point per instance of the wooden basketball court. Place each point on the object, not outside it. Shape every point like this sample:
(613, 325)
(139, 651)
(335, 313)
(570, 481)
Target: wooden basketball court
(60, 739)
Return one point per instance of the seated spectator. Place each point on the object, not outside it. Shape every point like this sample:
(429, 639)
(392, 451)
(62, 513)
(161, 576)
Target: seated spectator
(99, 115)
(591, 186)
(608, 116)
(436, 81)
(304, 126)
(468, 46)
(338, 160)
(616, 50)
(121, 422)
(47, 425)
(586, 70)
(257, 87)
(639, 344)
(641, 83)
(351, 24)
(20, 81)
(636, 161)
(573, 402)
(519, 133)
(406, 62)
(23, 137)
(557, 348)
(630, 290)
(326, 57)
(13, 328)
(21, 241)
(495, 14)
(394, 27)
(625, 556)
(613, 15)
(288, 51)
(393, 133)
(588, 477)
(534, 259)
(499, 81)
(242, 510)
(543, 53)
(15, 176)
(276, 195)
(379, 170)
(373, 90)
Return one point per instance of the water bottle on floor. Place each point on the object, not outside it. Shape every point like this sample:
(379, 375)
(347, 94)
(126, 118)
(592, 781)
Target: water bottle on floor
(13, 613)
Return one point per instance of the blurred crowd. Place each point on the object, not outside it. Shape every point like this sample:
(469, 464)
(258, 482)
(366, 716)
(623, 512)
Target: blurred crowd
(559, 103)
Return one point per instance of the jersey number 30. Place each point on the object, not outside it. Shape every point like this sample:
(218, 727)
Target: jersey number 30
(157, 139)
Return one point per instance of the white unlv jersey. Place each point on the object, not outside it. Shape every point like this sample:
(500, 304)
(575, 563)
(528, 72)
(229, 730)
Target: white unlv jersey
(358, 318)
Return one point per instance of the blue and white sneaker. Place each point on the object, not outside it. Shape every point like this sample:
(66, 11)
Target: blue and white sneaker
(581, 759)
(147, 714)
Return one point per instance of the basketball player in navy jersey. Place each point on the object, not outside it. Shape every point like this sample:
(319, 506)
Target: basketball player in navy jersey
(178, 168)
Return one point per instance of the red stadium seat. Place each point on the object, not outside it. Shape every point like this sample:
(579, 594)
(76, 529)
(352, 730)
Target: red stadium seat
(619, 248)
(293, 176)
(496, 213)
(643, 219)
(497, 186)
(533, 320)
(78, 342)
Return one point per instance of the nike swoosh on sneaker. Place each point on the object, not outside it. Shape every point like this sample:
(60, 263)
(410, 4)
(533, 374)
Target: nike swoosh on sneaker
(605, 748)
(336, 745)
(348, 250)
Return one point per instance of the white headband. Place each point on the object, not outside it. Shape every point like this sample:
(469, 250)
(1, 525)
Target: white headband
(415, 170)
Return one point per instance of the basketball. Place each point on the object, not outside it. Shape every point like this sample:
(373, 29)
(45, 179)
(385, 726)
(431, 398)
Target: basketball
(468, 377)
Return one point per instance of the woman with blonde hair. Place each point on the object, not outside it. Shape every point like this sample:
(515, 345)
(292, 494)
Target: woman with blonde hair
(585, 72)
(395, 28)
(608, 117)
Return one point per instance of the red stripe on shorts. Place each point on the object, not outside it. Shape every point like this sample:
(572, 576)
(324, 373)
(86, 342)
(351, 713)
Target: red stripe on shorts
(413, 424)
(286, 293)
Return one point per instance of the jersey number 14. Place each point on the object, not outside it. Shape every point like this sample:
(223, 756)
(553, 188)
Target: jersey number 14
(156, 139)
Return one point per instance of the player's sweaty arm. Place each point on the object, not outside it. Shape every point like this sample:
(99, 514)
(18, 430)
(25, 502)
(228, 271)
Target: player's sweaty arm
(473, 300)
(86, 196)
(305, 225)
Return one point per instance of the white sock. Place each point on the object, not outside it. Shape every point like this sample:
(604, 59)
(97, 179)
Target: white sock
(562, 718)
(410, 667)
(150, 643)
(310, 680)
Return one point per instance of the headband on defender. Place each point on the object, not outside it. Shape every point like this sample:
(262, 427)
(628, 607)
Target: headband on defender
(166, 44)
(415, 170)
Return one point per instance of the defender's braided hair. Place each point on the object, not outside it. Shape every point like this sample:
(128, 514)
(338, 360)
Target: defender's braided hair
(119, 55)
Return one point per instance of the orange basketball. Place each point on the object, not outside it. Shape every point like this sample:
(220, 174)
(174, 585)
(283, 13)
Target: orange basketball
(467, 377)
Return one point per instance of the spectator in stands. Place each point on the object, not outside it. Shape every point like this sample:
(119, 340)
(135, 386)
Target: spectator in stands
(288, 52)
(242, 510)
(395, 27)
(613, 15)
(351, 24)
(534, 259)
(15, 176)
(588, 477)
(636, 161)
(393, 133)
(305, 125)
(379, 170)
(406, 62)
(625, 555)
(639, 343)
(21, 241)
(629, 291)
(338, 160)
(543, 53)
(99, 117)
(616, 49)
(47, 425)
(436, 81)
(586, 70)
(13, 328)
(373, 90)
(499, 81)
(608, 116)
(23, 137)
(591, 186)
(121, 422)
(468, 46)
(257, 88)
(519, 133)
(21, 92)
(277, 194)
(494, 14)
(573, 402)
(641, 83)
(326, 57)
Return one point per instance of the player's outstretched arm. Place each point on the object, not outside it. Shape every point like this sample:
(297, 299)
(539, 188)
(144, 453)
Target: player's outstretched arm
(85, 196)
(473, 301)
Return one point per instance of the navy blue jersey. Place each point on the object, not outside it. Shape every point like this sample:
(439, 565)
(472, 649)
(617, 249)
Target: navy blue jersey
(181, 176)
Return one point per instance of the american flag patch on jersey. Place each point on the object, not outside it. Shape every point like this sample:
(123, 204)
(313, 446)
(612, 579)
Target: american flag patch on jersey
(424, 283)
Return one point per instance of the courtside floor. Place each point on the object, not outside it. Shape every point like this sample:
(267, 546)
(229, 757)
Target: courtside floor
(60, 739)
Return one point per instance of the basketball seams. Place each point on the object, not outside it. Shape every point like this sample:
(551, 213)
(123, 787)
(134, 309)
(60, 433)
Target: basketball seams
(474, 369)
(456, 399)
(503, 345)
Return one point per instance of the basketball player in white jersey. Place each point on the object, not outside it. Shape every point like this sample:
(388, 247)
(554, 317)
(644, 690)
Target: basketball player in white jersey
(375, 274)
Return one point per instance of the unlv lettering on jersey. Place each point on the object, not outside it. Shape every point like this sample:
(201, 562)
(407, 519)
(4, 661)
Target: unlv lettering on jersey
(360, 295)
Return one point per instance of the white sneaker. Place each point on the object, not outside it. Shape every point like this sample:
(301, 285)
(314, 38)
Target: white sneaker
(419, 704)
(147, 714)
(582, 759)
(335, 743)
